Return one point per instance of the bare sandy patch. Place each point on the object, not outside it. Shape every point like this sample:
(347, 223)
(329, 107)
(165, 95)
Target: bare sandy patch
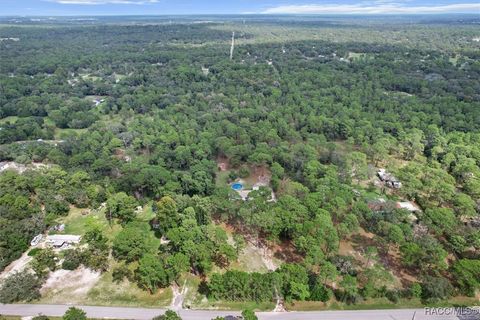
(256, 258)
(16, 266)
(69, 286)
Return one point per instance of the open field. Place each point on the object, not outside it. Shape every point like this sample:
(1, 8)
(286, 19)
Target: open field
(64, 286)
(377, 303)
(79, 221)
(10, 119)
(108, 293)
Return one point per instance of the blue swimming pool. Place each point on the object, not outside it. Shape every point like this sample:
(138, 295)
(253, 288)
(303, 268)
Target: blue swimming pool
(237, 186)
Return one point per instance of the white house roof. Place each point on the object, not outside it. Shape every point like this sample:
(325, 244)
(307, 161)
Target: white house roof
(63, 237)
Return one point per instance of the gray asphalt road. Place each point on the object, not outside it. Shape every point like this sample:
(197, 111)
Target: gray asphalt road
(146, 313)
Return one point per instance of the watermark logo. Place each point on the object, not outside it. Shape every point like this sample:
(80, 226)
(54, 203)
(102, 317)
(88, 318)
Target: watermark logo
(453, 311)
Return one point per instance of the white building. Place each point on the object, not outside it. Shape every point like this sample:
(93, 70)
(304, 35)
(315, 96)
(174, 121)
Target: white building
(62, 240)
(36, 240)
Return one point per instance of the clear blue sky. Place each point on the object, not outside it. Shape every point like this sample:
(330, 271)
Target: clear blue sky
(157, 7)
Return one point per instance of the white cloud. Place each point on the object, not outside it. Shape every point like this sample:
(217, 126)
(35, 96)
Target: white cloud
(373, 7)
(94, 2)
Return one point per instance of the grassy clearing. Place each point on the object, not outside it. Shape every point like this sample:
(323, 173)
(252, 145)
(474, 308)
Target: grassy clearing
(453, 60)
(146, 214)
(108, 293)
(11, 119)
(62, 133)
(196, 300)
(89, 77)
(372, 195)
(254, 259)
(250, 261)
(229, 305)
(356, 55)
(119, 77)
(378, 303)
(78, 223)
(192, 297)
(49, 121)
(221, 178)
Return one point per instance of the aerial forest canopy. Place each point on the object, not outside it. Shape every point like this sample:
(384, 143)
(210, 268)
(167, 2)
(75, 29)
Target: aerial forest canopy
(149, 123)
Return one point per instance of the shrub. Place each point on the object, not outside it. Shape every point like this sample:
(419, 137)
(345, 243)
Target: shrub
(436, 288)
(416, 290)
(320, 293)
(44, 261)
(249, 315)
(120, 273)
(244, 172)
(168, 315)
(393, 296)
(34, 252)
(72, 259)
(74, 314)
(20, 287)
(232, 176)
(467, 275)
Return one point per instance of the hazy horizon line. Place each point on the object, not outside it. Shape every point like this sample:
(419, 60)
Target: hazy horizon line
(246, 14)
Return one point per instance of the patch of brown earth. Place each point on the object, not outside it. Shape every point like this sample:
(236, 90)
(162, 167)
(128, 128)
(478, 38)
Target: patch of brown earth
(223, 163)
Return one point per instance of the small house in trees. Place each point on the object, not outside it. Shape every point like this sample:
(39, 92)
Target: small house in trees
(62, 240)
(389, 180)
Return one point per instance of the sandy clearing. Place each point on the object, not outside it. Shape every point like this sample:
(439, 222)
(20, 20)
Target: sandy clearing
(265, 253)
(16, 266)
(72, 284)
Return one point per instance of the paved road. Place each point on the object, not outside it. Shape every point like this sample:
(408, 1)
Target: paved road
(146, 313)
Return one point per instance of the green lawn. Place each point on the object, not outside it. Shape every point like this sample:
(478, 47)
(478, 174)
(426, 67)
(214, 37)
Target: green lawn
(89, 77)
(453, 60)
(77, 223)
(221, 178)
(11, 119)
(62, 133)
(356, 55)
